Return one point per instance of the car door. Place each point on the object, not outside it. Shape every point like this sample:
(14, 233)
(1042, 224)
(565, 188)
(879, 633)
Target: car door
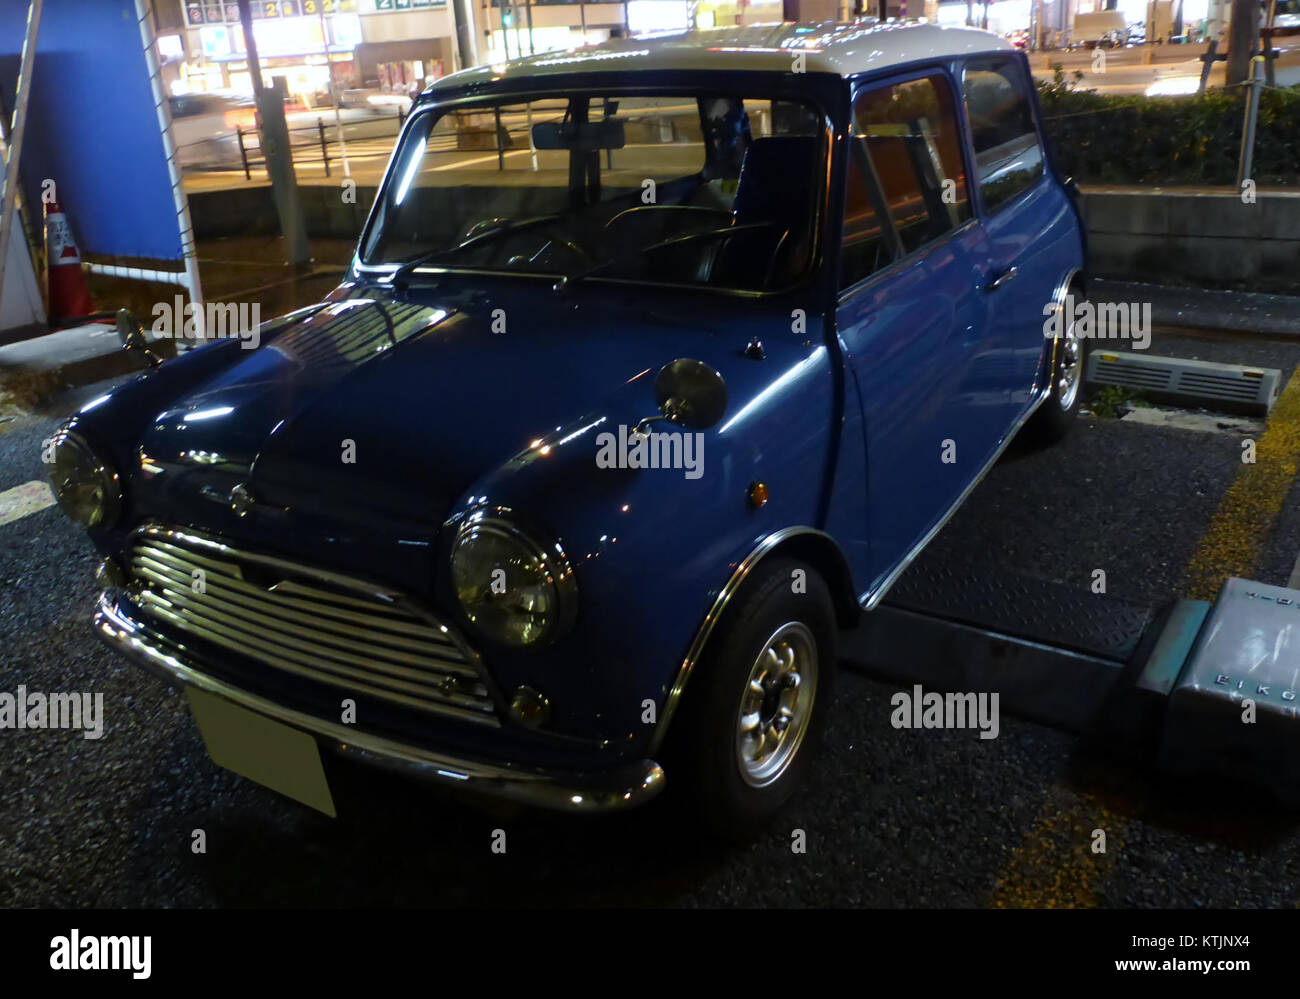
(1025, 215)
(912, 319)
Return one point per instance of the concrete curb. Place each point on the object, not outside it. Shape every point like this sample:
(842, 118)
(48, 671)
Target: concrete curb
(1201, 308)
(82, 355)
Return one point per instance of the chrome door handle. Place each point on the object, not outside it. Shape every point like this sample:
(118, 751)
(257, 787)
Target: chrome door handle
(1002, 279)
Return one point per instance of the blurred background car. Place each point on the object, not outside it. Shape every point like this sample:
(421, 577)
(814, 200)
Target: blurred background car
(376, 100)
(1102, 28)
(203, 128)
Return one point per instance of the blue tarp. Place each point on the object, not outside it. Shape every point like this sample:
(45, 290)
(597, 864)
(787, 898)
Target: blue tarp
(92, 127)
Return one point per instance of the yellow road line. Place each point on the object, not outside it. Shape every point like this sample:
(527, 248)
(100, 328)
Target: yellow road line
(1231, 544)
(1054, 867)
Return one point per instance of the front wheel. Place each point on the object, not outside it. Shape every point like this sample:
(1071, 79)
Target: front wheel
(754, 712)
(1067, 357)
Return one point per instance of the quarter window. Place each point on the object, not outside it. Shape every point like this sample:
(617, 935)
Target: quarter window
(906, 180)
(1008, 155)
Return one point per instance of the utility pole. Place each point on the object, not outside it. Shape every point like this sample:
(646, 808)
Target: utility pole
(275, 147)
(1269, 74)
(1243, 36)
(464, 38)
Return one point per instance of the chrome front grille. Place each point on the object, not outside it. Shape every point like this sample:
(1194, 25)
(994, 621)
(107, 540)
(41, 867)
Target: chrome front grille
(311, 623)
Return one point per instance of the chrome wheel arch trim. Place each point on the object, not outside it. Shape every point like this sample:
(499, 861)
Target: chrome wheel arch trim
(720, 604)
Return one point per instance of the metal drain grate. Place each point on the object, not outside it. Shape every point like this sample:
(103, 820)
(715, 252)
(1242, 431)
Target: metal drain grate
(1204, 383)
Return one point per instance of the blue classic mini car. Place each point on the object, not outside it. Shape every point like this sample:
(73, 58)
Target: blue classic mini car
(656, 365)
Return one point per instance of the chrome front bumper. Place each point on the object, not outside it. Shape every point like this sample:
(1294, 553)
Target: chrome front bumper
(622, 787)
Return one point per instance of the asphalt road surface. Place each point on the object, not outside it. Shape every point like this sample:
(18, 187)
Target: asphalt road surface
(1174, 69)
(892, 818)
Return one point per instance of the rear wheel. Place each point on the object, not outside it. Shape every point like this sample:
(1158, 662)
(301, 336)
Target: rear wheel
(1068, 357)
(754, 712)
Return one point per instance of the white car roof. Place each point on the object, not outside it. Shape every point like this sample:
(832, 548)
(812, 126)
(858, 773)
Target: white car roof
(842, 49)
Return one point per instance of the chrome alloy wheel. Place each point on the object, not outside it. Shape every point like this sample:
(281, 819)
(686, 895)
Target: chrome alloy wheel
(777, 704)
(1070, 370)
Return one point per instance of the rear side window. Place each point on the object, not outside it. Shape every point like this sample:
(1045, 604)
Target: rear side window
(1008, 155)
(906, 183)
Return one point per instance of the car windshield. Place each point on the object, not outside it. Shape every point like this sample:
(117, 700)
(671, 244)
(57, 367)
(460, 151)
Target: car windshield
(697, 189)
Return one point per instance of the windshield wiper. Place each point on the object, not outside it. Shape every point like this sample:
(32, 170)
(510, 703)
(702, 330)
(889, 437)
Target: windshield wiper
(506, 229)
(729, 230)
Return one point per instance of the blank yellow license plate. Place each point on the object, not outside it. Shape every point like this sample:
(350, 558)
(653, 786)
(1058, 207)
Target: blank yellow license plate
(254, 746)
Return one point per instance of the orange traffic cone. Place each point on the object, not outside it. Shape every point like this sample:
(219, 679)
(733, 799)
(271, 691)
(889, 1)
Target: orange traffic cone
(69, 296)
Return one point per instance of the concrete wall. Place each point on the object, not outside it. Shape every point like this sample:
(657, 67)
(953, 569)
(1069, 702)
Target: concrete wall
(250, 211)
(1191, 236)
(1206, 239)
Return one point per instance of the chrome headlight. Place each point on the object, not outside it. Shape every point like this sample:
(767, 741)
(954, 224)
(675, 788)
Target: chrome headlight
(87, 486)
(512, 588)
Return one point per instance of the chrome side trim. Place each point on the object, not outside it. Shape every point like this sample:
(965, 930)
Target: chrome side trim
(618, 788)
(742, 570)
(873, 596)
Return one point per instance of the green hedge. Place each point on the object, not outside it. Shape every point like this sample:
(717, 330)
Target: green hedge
(1110, 139)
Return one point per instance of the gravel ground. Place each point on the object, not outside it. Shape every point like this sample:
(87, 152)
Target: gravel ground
(892, 818)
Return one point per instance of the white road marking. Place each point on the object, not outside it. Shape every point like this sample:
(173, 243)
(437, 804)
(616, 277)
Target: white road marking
(18, 502)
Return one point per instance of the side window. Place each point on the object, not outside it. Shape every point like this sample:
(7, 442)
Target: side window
(905, 139)
(1008, 155)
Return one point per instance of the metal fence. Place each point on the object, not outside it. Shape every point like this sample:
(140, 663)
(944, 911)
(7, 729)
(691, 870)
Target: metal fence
(318, 145)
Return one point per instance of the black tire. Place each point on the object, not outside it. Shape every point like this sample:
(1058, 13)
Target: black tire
(704, 755)
(1058, 412)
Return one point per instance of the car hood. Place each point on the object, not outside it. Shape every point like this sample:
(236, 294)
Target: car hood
(372, 408)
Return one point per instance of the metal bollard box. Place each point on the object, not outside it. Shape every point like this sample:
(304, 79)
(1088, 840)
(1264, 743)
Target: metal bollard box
(1235, 708)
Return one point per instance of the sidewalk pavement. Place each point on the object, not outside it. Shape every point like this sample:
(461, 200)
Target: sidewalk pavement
(249, 269)
(32, 370)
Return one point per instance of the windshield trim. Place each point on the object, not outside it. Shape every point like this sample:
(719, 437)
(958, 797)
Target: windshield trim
(732, 86)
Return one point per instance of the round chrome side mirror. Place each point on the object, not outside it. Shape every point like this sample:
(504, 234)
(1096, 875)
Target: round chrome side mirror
(130, 332)
(691, 394)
